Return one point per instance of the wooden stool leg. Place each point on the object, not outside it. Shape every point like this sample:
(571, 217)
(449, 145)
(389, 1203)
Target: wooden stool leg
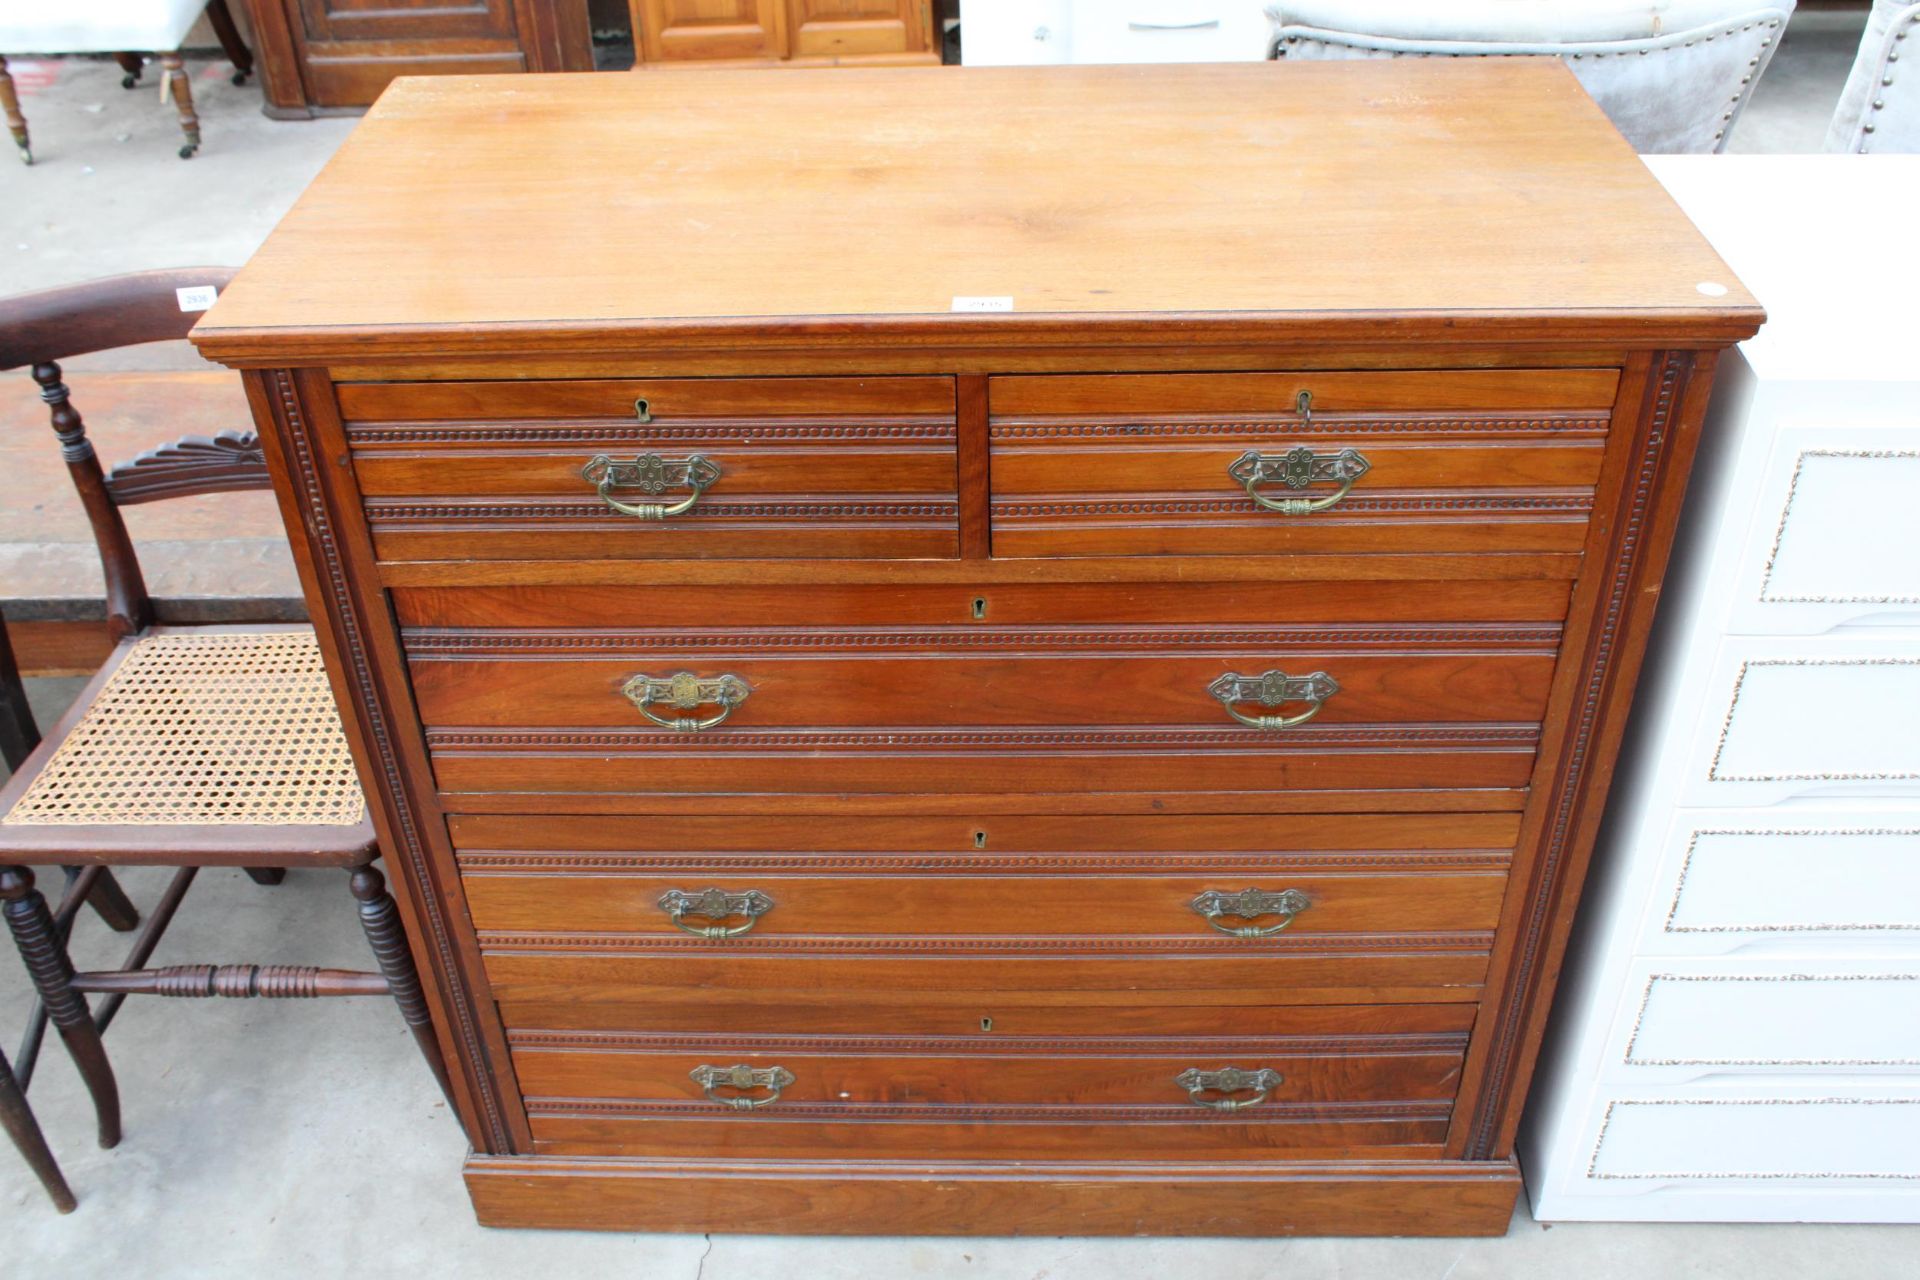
(16, 123)
(132, 64)
(52, 973)
(381, 920)
(220, 18)
(182, 102)
(17, 1119)
(111, 903)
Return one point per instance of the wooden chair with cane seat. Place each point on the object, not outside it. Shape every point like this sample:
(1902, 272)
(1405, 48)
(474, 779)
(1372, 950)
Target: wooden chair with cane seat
(192, 747)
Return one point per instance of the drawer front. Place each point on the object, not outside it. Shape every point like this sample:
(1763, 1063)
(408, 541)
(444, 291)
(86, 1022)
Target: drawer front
(776, 467)
(1738, 879)
(1100, 881)
(1829, 716)
(1688, 1019)
(1832, 519)
(1255, 464)
(1168, 31)
(1368, 1078)
(1856, 1138)
(981, 707)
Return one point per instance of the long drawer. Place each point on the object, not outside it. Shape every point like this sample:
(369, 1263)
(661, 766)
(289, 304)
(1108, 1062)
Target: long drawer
(1233, 882)
(816, 705)
(704, 467)
(1258, 464)
(1265, 1080)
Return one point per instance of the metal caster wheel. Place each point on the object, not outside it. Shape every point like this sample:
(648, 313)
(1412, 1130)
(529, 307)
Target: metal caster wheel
(129, 81)
(186, 152)
(239, 77)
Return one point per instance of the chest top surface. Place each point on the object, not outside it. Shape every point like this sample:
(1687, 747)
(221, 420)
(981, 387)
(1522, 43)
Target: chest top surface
(1444, 197)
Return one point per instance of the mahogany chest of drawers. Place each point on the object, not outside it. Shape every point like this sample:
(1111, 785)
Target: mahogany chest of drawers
(986, 650)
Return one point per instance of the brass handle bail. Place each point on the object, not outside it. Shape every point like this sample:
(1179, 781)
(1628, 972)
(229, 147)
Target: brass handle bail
(742, 1077)
(1250, 904)
(1274, 689)
(717, 905)
(684, 691)
(1261, 1082)
(1298, 468)
(650, 473)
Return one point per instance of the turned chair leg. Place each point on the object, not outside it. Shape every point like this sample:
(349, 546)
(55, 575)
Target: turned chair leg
(380, 918)
(16, 123)
(52, 972)
(220, 18)
(176, 72)
(17, 1119)
(132, 64)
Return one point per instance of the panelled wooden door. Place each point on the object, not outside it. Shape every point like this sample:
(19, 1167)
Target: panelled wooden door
(709, 30)
(801, 31)
(320, 56)
(857, 28)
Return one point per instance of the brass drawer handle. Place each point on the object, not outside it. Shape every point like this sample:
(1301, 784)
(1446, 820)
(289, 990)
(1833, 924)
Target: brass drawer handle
(1228, 1080)
(651, 473)
(1298, 468)
(742, 1077)
(684, 691)
(717, 905)
(1273, 689)
(1250, 904)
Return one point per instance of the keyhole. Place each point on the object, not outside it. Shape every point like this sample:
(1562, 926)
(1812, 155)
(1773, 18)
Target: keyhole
(986, 1024)
(642, 411)
(979, 839)
(979, 607)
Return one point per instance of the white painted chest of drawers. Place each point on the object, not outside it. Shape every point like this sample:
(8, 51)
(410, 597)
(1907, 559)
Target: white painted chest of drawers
(1046, 32)
(1738, 1034)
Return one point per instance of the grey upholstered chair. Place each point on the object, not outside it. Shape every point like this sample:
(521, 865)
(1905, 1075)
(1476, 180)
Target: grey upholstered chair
(1672, 75)
(1880, 107)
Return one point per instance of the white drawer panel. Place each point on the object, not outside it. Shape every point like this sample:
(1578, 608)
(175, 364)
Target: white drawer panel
(1859, 1137)
(1736, 883)
(1817, 1018)
(1836, 521)
(1824, 716)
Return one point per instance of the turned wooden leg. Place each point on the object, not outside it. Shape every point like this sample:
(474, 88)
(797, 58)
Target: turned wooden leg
(17, 1119)
(182, 93)
(16, 123)
(221, 20)
(132, 64)
(52, 973)
(381, 920)
(266, 875)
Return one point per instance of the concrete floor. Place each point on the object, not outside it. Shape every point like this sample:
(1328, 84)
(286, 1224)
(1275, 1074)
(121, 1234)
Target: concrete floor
(307, 1138)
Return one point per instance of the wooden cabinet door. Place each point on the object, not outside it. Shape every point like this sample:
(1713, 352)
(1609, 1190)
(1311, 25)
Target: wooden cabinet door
(709, 30)
(860, 30)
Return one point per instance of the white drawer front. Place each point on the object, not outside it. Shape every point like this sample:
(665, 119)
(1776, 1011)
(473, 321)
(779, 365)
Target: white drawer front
(1776, 1020)
(1734, 882)
(1169, 31)
(1835, 523)
(1823, 1139)
(1822, 717)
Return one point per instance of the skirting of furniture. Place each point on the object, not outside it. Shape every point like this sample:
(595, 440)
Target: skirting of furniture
(1122, 765)
(1741, 1037)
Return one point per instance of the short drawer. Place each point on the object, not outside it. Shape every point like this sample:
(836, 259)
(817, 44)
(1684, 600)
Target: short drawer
(1368, 1078)
(1782, 1139)
(1816, 717)
(1741, 879)
(822, 707)
(1254, 464)
(704, 468)
(1686, 1019)
(1223, 881)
